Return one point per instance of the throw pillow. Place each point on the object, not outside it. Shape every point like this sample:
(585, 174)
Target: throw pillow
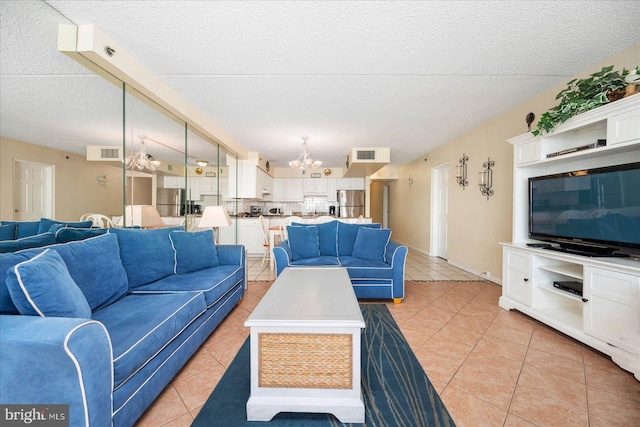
(8, 232)
(46, 224)
(347, 236)
(304, 242)
(69, 234)
(36, 241)
(25, 228)
(327, 235)
(146, 254)
(371, 243)
(42, 286)
(193, 251)
(96, 267)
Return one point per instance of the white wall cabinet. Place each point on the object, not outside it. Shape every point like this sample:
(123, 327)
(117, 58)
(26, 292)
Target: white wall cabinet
(249, 182)
(350, 183)
(332, 193)
(607, 314)
(287, 190)
(173, 181)
(315, 186)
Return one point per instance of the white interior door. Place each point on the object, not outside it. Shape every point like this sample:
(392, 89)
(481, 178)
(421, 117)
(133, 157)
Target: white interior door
(439, 210)
(33, 191)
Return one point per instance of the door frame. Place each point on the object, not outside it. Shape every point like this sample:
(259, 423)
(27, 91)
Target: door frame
(436, 173)
(49, 185)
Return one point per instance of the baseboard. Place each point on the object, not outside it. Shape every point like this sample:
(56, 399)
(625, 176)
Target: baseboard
(477, 273)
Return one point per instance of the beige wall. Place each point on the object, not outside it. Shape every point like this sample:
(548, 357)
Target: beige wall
(375, 200)
(76, 186)
(476, 224)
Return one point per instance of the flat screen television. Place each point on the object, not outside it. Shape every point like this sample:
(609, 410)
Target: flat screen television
(594, 212)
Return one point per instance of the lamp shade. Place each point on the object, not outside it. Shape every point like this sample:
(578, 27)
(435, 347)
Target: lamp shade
(142, 216)
(214, 216)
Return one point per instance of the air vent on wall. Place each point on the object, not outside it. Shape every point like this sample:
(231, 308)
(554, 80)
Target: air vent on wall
(103, 153)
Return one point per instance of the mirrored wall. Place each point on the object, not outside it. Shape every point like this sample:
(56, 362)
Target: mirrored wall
(98, 144)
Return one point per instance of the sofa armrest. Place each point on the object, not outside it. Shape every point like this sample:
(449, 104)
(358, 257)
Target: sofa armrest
(231, 254)
(55, 360)
(396, 256)
(282, 256)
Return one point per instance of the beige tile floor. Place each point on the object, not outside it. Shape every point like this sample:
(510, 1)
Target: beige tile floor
(490, 366)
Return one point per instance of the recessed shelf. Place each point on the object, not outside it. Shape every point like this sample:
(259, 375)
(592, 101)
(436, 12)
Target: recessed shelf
(552, 289)
(569, 270)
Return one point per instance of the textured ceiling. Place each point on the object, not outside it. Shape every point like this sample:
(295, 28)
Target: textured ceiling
(407, 75)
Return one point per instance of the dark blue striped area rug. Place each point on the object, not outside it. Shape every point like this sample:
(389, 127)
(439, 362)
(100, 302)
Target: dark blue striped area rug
(395, 389)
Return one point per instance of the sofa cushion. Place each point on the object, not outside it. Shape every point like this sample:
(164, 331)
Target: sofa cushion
(70, 234)
(146, 255)
(46, 224)
(35, 241)
(321, 260)
(25, 228)
(96, 267)
(142, 325)
(371, 243)
(193, 251)
(42, 286)
(327, 236)
(347, 236)
(213, 282)
(304, 242)
(8, 232)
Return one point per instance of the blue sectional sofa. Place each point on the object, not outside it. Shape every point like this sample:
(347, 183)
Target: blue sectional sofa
(103, 324)
(375, 263)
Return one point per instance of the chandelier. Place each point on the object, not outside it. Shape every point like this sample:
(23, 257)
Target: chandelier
(141, 160)
(305, 161)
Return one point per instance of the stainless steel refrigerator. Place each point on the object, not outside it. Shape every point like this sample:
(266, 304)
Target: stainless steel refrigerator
(170, 201)
(350, 203)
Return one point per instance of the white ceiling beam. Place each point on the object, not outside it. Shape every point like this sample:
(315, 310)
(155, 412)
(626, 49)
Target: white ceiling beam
(87, 45)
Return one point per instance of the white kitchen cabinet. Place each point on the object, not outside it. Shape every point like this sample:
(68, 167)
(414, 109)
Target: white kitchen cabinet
(250, 235)
(227, 235)
(194, 188)
(315, 186)
(277, 192)
(293, 190)
(350, 183)
(173, 181)
(332, 193)
(209, 186)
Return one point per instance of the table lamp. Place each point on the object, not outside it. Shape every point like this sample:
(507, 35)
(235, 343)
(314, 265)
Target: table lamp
(214, 217)
(144, 216)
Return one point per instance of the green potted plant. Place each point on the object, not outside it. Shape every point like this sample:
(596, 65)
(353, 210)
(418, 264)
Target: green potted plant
(582, 95)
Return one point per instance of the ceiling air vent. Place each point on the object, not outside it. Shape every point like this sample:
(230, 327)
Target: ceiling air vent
(103, 153)
(366, 154)
(110, 153)
(363, 161)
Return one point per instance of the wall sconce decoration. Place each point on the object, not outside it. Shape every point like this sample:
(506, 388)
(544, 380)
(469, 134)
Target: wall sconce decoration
(102, 179)
(461, 171)
(486, 178)
(410, 180)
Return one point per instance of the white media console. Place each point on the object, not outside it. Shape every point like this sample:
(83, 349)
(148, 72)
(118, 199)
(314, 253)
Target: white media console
(607, 315)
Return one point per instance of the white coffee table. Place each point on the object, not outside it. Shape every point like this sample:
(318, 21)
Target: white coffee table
(305, 346)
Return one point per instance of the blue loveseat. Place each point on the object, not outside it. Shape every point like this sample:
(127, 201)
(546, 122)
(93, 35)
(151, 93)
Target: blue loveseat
(375, 263)
(103, 324)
